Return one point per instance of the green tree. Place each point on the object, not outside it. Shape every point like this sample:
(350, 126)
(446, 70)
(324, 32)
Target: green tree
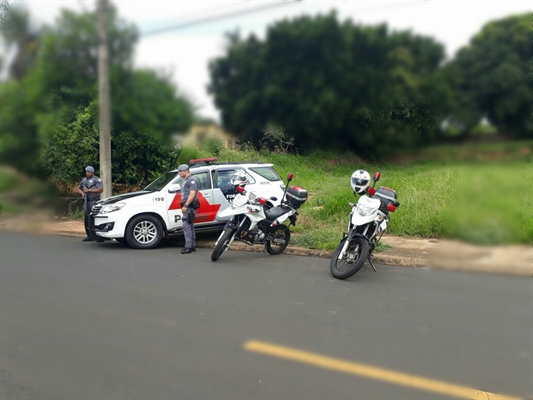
(17, 31)
(147, 103)
(60, 91)
(72, 142)
(68, 59)
(493, 77)
(332, 85)
(19, 143)
(18, 131)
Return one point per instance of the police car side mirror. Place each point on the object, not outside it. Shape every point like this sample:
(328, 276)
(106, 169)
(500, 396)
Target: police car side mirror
(174, 188)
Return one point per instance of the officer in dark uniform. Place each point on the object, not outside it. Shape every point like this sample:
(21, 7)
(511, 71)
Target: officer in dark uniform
(90, 188)
(189, 205)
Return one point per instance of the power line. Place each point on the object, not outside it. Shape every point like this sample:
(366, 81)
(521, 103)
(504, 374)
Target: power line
(82, 6)
(216, 18)
(202, 13)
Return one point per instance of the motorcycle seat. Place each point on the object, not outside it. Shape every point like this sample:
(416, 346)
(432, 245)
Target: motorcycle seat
(276, 212)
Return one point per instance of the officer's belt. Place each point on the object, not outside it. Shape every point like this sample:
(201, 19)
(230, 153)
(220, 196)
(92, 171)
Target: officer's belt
(93, 198)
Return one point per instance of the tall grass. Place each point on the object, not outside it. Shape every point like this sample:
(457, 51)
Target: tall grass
(8, 179)
(480, 202)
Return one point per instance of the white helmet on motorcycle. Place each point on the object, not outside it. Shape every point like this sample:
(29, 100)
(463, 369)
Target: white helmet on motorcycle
(239, 179)
(359, 181)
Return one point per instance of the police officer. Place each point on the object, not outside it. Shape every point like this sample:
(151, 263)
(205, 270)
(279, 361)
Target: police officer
(189, 205)
(90, 188)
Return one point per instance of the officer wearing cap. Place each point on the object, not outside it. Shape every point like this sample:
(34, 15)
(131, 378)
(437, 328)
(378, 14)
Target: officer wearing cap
(189, 205)
(90, 188)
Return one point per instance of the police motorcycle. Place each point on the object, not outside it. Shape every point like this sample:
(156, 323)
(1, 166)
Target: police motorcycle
(255, 220)
(367, 224)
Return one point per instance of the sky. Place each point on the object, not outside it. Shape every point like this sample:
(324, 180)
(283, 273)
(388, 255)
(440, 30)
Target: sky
(186, 52)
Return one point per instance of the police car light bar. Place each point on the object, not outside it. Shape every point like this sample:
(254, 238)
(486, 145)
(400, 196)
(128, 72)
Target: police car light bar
(206, 160)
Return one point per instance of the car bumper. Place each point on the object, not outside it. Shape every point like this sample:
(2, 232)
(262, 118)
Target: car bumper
(107, 226)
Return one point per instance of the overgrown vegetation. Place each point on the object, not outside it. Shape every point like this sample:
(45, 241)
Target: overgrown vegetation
(334, 84)
(483, 202)
(49, 113)
(20, 193)
(312, 83)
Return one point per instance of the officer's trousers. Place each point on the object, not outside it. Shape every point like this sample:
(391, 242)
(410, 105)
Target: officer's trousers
(86, 223)
(88, 206)
(188, 229)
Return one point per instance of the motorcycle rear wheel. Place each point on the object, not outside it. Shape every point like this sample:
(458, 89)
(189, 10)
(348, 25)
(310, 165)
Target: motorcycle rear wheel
(282, 235)
(222, 244)
(357, 251)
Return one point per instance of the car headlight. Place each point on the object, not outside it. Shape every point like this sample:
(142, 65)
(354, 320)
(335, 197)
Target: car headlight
(112, 207)
(364, 210)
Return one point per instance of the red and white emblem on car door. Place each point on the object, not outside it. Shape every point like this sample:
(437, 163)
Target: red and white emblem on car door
(206, 213)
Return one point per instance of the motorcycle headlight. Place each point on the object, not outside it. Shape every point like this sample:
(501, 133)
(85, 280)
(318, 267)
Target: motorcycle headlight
(112, 208)
(364, 210)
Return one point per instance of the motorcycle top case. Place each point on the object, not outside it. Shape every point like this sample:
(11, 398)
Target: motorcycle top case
(386, 195)
(296, 196)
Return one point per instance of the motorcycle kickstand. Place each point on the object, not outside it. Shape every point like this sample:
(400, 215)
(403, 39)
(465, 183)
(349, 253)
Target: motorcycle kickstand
(265, 250)
(372, 265)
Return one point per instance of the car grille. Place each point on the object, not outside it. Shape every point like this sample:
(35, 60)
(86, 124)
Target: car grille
(96, 209)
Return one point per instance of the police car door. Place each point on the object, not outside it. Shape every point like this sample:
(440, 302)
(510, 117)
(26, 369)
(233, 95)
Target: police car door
(223, 192)
(205, 196)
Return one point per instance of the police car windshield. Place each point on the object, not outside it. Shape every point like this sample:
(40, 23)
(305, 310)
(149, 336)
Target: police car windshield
(161, 182)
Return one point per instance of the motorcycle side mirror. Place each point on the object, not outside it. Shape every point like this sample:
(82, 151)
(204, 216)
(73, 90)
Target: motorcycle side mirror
(174, 188)
(289, 177)
(377, 175)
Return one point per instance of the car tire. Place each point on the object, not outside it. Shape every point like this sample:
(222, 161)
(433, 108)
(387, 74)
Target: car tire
(144, 232)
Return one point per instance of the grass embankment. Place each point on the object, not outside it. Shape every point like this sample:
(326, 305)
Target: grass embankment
(19, 193)
(482, 202)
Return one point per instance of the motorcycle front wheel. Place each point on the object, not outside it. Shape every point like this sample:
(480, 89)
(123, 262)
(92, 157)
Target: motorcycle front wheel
(278, 239)
(222, 243)
(353, 259)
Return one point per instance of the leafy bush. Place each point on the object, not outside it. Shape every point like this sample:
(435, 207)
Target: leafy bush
(275, 138)
(189, 153)
(8, 179)
(72, 142)
(484, 129)
(212, 146)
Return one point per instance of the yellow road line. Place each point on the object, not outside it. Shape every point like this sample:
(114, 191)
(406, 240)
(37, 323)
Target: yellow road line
(368, 371)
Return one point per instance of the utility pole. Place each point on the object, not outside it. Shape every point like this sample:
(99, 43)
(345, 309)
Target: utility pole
(104, 107)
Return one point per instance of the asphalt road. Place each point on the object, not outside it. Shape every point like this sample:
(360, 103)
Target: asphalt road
(101, 321)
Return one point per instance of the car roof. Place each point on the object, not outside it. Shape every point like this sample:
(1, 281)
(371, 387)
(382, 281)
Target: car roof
(228, 164)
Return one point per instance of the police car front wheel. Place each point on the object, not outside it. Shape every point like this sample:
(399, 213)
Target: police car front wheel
(144, 232)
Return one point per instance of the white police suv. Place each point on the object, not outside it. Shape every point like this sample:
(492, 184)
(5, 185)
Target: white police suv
(143, 218)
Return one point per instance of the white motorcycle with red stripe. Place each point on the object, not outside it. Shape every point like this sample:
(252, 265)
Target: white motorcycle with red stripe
(367, 224)
(254, 220)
